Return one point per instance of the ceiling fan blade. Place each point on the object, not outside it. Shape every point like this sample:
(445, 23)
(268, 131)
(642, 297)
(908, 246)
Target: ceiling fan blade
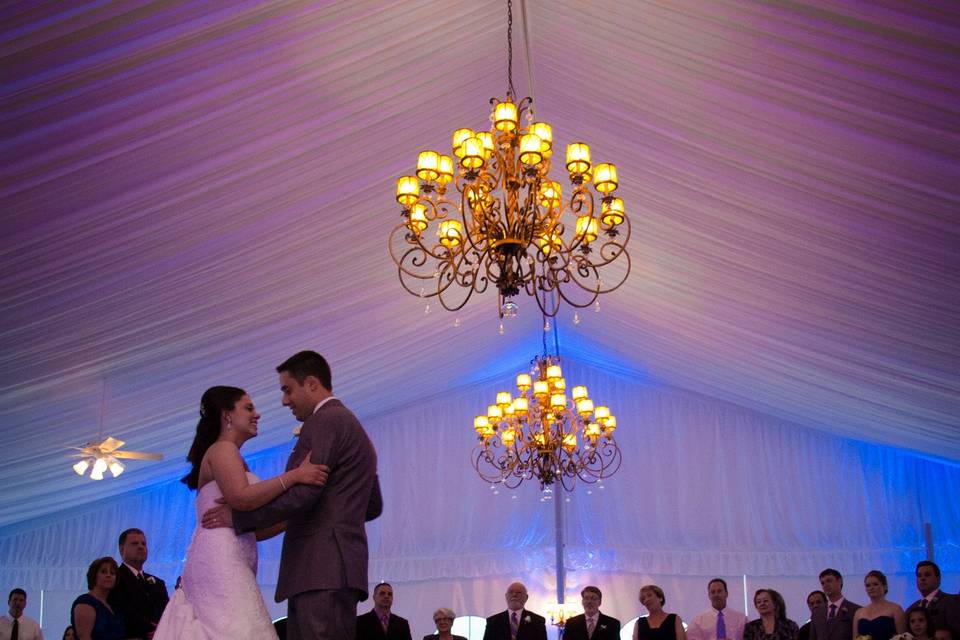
(137, 455)
(110, 444)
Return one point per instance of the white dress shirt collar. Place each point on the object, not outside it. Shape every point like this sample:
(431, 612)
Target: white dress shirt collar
(323, 402)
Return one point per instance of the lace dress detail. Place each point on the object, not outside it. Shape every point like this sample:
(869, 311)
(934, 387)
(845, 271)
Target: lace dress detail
(219, 597)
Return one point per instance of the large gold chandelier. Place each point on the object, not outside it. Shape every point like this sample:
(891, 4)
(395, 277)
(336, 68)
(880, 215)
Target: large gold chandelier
(506, 221)
(541, 434)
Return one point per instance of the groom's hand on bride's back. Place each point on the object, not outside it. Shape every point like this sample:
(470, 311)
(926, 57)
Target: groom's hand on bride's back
(217, 517)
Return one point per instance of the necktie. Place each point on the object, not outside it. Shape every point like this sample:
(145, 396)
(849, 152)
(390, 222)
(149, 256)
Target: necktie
(924, 603)
(514, 624)
(721, 626)
(832, 612)
(142, 579)
(385, 621)
(15, 630)
(591, 625)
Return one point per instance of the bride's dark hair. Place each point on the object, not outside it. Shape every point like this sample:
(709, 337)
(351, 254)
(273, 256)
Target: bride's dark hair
(213, 403)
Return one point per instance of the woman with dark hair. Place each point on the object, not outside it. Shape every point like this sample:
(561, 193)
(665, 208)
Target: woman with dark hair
(69, 634)
(773, 623)
(90, 616)
(881, 619)
(219, 596)
(920, 623)
(658, 625)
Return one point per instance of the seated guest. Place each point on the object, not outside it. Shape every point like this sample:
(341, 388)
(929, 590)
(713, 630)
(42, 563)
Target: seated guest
(69, 634)
(943, 633)
(718, 622)
(881, 619)
(814, 600)
(773, 623)
(379, 622)
(659, 625)
(516, 623)
(17, 625)
(139, 597)
(90, 615)
(443, 619)
(591, 624)
(920, 624)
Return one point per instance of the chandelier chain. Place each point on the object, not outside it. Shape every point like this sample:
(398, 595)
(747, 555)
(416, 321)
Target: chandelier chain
(512, 92)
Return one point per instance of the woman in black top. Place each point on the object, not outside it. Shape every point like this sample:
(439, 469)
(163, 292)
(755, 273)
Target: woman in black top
(773, 623)
(659, 625)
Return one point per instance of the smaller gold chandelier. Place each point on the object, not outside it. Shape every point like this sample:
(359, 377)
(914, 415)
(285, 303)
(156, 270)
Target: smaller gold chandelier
(542, 434)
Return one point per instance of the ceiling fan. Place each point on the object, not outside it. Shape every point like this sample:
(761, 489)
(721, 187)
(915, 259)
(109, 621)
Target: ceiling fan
(106, 454)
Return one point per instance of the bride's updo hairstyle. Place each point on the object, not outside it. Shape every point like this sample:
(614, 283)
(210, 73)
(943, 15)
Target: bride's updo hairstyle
(214, 402)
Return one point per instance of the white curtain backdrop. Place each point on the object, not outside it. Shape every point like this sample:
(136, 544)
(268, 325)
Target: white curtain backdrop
(705, 489)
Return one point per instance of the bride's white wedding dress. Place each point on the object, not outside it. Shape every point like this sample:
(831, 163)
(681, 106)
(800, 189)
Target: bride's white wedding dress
(219, 596)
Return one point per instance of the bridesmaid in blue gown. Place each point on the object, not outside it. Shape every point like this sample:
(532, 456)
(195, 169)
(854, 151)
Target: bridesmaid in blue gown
(881, 619)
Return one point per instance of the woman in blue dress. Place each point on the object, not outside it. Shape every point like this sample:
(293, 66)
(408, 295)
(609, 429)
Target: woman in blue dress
(90, 615)
(881, 619)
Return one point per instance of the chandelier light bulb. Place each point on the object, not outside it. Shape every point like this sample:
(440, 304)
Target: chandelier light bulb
(450, 233)
(494, 412)
(523, 381)
(444, 170)
(545, 133)
(520, 406)
(601, 414)
(473, 154)
(587, 228)
(611, 211)
(488, 144)
(458, 137)
(530, 149)
(428, 166)
(505, 116)
(417, 221)
(605, 178)
(503, 399)
(408, 190)
(578, 158)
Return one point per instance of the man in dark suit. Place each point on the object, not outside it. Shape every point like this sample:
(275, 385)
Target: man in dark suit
(379, 623)
(516, 623)
(835, 620)
(944, 608)
(138, 596)
(591, 624)
(323, 565)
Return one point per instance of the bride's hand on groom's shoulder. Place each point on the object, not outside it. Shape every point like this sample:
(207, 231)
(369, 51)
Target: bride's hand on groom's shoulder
(217, 517)
(310, 473)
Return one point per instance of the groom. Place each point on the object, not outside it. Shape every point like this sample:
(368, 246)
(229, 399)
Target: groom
(323, 567)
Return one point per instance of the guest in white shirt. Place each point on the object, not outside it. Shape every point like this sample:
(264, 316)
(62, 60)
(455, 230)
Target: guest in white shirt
(718, 622)
(15, 625)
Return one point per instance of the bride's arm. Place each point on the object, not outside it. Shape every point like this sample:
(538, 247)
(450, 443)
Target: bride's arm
(229, 472)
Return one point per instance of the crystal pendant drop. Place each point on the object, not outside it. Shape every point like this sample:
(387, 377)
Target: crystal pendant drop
(576, 318)
(500, 329)
(508, 309)
(596, 307)
(546, 325)
(426, 309)
(456, 322)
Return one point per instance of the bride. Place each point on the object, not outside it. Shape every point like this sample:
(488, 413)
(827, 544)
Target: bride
(219, 597)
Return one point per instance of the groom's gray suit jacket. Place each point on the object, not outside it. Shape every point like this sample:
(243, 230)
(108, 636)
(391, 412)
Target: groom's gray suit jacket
(325, 546)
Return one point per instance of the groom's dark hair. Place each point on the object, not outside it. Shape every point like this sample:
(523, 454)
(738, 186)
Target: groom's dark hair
(308, 363)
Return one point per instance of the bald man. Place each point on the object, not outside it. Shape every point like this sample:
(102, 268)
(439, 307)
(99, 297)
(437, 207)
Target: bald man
(516, 623)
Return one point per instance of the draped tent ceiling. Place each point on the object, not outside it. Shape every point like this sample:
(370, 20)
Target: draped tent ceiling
(190, 192)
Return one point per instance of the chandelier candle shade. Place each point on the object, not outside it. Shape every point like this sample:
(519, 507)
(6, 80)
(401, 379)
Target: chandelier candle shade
(541, 434)
(506, 222)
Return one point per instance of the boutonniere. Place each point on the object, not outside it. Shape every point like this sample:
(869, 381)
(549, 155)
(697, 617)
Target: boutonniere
(603, 626)
(527, 619)
(151, 580)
